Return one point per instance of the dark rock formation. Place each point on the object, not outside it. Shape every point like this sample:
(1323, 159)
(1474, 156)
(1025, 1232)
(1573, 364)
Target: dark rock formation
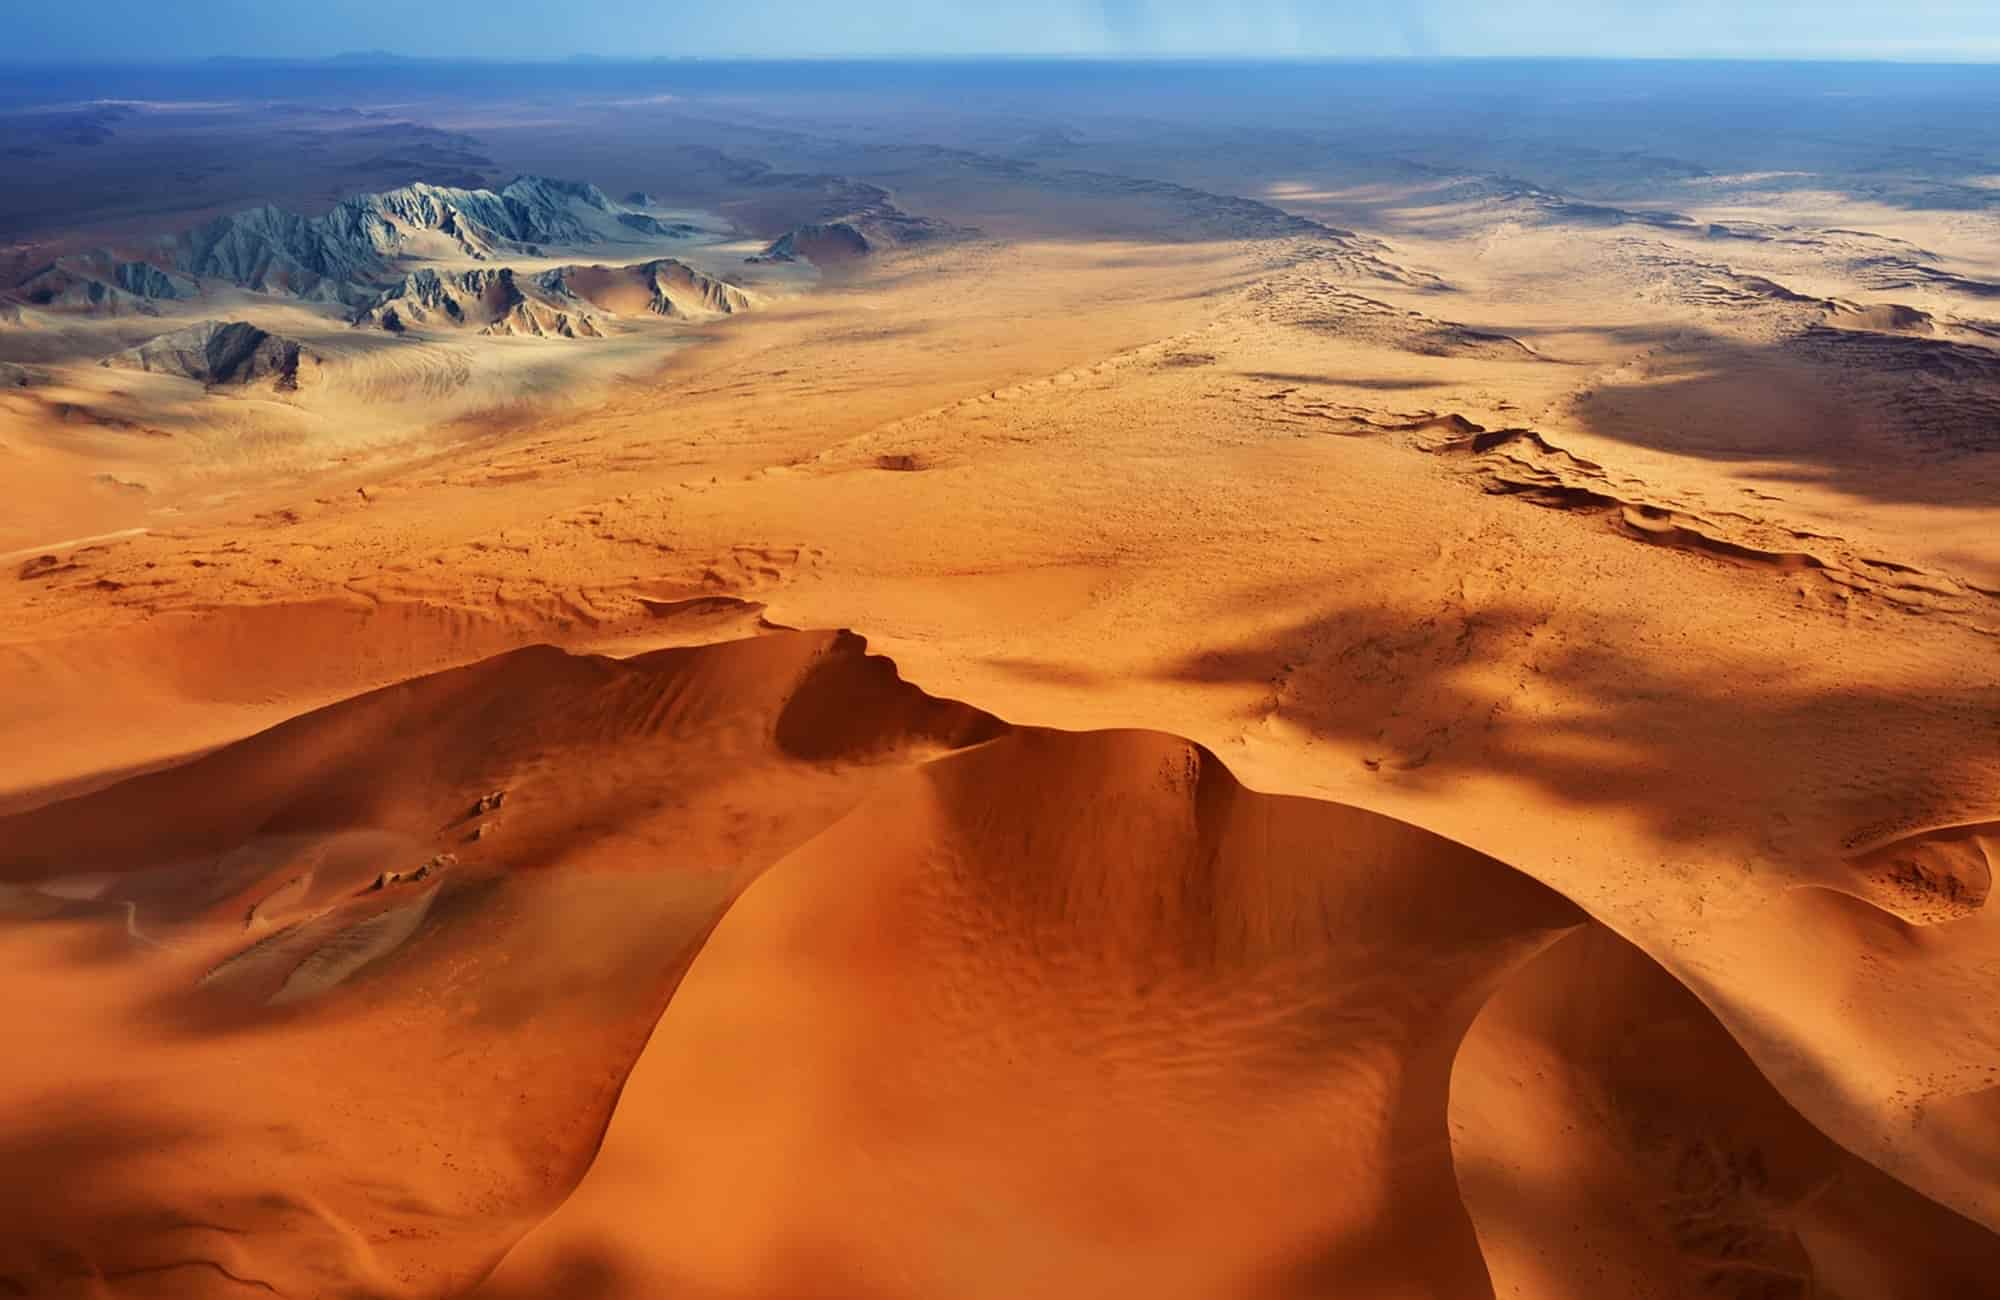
(662, 287)
(829, 242)
(217, 352)
(492, 301)
(99, 284)
(651, 225)
(344, 255)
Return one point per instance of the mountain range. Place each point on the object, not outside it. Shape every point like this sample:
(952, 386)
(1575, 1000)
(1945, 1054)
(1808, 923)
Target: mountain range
(352, 255)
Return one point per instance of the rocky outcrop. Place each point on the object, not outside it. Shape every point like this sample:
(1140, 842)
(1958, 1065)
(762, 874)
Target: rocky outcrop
(443, 297)
(347, 254)
(99, 284)
(646, 224)
(819, 243)
(144, 280)
(275, 251)
(662, 287)
(358, 255)
(528, 211)
(215, 352)
(342, 255)
(565, 302)
(680, 290)
(492, 301)
(827, 243)
(827, 218)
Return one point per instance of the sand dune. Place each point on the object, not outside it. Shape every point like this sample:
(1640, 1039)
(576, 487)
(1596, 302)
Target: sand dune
(1090, 943)
(1599, 1102)
(1086, 940)
(255, 944)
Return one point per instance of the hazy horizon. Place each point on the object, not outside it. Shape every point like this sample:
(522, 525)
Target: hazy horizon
(142, 30)
(365, 57)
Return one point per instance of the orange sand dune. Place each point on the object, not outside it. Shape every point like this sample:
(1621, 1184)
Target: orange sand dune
(1062, 1011)
(1612, 1139)
(1069, 1014)
(250, 1057)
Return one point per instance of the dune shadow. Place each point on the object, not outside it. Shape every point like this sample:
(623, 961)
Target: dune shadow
(1733, 750)
(1887, 417)
(575, 1273)
(74, 1216)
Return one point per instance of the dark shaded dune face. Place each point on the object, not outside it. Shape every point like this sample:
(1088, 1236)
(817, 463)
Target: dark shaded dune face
(849, 705)
(1062, 1014)
(1613, 1139)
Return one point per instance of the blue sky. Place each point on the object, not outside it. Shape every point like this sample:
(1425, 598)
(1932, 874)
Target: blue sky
(1906, 29)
